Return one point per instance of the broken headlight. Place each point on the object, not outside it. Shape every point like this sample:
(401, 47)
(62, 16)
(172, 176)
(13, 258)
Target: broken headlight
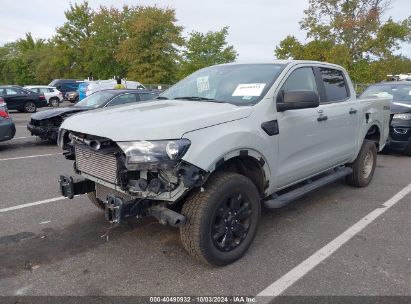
(153, 154)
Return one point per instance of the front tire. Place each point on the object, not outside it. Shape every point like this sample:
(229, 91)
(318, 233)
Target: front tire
(222, 220)
(364, 165)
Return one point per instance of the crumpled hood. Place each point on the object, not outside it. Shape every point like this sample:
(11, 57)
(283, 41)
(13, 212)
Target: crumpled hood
(57, 112)
(162, 119)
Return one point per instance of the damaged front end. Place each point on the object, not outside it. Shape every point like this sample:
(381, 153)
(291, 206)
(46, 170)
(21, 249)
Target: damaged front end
(46, 129)
(137, 178)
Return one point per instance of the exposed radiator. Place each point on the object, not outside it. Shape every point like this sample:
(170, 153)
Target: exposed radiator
(102, 166)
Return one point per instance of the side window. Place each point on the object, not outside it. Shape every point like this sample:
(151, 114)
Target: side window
(302, 79)
(43, 90)
(11, 92)
(147, 96)
(334, 83)
(122, 99)
(73, 87)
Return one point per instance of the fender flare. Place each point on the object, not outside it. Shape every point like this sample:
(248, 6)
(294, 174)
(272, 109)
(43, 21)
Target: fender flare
(243, 152)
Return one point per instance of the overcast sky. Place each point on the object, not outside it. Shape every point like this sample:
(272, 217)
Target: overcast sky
(256, 26)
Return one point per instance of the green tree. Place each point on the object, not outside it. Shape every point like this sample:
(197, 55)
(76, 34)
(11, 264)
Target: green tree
(19, 60)
(151, 49)
(109, 30)
(73, 38)
(350, 33)
(202, 50)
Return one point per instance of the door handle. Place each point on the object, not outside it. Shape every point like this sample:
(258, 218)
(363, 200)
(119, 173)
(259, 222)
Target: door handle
(352, 111)
(322, 118)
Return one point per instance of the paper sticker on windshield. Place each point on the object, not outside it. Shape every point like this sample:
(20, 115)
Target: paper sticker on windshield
(203, 84)
(249, 89)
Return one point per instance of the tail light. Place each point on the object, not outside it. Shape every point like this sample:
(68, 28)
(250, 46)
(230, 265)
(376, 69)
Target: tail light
(42, 97)
(1, 101)
(4, 114)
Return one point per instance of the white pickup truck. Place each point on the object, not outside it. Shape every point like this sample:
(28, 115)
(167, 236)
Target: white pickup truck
(220, 144)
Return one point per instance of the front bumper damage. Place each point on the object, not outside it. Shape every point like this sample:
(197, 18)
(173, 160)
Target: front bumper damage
(43, 130)
(117, 209)
(100, 167)
(400, 135)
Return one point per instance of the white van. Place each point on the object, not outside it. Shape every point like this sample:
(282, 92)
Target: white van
(98, 85)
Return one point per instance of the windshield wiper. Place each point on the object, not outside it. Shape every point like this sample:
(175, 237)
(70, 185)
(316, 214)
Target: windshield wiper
(197, 98)
(161, 97)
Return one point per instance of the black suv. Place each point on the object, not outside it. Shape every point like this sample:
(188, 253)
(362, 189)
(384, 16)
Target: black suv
(400, 125)
(21, 99)
(65, 85)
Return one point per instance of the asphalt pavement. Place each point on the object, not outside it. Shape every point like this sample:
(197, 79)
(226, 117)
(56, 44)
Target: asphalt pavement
(55, 246)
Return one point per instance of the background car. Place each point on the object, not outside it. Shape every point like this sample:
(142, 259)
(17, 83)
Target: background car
(73, 97)
(7, 128)
(53, 96)
(18, 98)
(89, 87)
(45, 124)
(400, 123)
(66, 85)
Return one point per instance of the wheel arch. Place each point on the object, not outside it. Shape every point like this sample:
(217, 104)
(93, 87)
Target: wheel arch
(374, 134)
(247, 162)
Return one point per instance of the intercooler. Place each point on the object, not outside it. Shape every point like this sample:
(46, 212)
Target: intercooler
(102, 166)
(103, 191)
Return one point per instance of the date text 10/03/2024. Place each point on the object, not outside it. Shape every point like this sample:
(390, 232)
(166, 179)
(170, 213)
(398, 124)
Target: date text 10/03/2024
(203, 299)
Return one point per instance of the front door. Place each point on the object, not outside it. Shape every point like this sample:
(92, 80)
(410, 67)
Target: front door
(302, 147)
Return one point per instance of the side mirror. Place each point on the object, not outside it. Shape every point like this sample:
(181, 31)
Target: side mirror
(293, 100)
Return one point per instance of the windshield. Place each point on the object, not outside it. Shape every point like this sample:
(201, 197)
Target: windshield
(96, 100)
(396, 92)
(239, 84)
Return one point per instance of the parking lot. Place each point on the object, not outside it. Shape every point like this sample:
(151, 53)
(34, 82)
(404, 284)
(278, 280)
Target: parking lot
(338, 241)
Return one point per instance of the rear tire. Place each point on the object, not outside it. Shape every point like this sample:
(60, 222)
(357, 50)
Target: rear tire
(222, 220)
(363, 166)
(93, 198)
(54, 102)
(30, 107)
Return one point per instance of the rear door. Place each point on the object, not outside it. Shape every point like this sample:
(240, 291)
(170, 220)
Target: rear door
(342, 115)
(15, 98)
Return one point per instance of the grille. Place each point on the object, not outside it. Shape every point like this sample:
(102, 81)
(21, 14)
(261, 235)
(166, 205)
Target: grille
(102, 166)
(35, 122)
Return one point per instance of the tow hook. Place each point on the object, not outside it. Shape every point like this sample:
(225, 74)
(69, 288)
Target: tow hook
(70, 186)
(116, 210)
(167, 216)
